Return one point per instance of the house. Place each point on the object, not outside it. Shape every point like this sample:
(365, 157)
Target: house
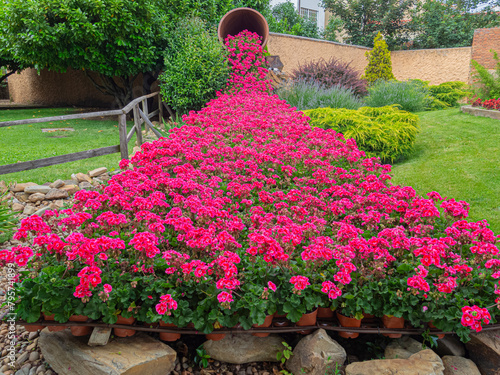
(309, 9)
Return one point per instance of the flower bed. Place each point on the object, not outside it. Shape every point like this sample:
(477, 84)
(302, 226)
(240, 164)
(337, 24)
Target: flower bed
(248, 211)
(487, 104)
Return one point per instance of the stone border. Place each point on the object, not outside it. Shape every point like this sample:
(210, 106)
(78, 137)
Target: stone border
(478, 111)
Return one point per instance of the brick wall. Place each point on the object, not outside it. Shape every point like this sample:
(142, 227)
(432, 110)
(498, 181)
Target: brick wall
(485, 40)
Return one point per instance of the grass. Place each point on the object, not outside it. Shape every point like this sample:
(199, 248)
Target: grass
(458, 156)
(27, 142)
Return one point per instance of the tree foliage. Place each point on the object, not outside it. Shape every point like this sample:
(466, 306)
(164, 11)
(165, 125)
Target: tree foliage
(283, 18)
(363, 19)
(379, 62)
(488, 85)
(439, 24)
(114, 40)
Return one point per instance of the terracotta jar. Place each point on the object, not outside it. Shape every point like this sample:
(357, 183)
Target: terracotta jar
(122, 332)
(80, 330)
(267, 323)
(308, 319)
(345, 321)
(53, 328)
(166, 336)
(390, 321)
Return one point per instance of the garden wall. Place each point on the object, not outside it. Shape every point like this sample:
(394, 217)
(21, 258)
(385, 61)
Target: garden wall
(434, 65)
(485, 40)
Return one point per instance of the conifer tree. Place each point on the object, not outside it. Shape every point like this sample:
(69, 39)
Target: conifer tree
(379, 62)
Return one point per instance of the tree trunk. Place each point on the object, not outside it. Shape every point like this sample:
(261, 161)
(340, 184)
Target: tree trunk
(118, 87)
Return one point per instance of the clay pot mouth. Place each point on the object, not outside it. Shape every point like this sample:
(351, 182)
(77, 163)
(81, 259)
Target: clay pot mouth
(240, 19)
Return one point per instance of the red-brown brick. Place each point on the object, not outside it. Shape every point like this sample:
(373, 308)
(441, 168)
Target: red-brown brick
(485, 40)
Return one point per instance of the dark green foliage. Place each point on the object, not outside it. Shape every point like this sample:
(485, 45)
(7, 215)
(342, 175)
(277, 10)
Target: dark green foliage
(309, 94)
(445, 24)
(195, 66)
(283, 18)
(363, 19)
(379, 62)
(331, 73)
(411, 96)
(386, 132)
(333, 27)
(489, 84)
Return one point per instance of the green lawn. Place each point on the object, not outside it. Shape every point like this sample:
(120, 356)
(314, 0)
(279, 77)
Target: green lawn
(27, 142)
(457, 155)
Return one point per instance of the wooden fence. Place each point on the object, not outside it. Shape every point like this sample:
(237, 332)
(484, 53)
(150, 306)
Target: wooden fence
(141, 115)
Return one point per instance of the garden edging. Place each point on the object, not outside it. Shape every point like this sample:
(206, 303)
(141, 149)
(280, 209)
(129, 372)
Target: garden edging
(476, 111)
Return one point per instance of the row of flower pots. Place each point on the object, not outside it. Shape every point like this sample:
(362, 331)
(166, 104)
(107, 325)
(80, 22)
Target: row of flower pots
(280, 321)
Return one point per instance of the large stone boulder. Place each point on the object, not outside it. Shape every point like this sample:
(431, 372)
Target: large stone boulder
(140, 354)
(450, 345)
(316, 354)
(425, 362)
(456, 365)
(484, 350)
(402, 348)
(244, 348)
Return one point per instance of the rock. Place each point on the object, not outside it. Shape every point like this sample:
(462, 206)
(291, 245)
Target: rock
(450, 345)
(402, 348)
(81, 177)
(56, 194)
(22, 197)
(244, 348)
(456, 365)
(29, 210)
(57, 184)
(3, 187)
(484, 350)
(20, 187)
(59, 203)
(425, 362)
(70, 189)
(138, 355)
(36, 189)
(98, 171)
(22, 358)
(34, 356)
(86, 185)
(17, 207)
(33, 335)
(316, 354)
(42, 210)
(23, 371)
(37, 197)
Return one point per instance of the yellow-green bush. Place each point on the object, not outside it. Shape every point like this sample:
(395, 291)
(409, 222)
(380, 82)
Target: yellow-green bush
(450, 92)
(379, 62)
(386, 132)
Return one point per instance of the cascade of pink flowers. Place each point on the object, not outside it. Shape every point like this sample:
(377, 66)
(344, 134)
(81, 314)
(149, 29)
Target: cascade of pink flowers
(249, 177)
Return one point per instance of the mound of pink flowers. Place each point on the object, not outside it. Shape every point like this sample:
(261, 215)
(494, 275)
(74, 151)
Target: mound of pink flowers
(247, 211)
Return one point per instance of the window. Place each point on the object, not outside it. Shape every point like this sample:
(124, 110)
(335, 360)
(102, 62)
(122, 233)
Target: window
(309, 13)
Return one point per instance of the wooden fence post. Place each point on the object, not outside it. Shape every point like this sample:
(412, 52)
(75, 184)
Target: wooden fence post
(138, 126)
(122, 128)
(160, 107)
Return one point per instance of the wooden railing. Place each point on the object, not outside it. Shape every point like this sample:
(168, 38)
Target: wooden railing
(141, 115)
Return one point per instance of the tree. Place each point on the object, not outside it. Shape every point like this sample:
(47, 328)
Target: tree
(112, 41)
(438, 24)
(379, 62)
(363, 19)
(284, 19)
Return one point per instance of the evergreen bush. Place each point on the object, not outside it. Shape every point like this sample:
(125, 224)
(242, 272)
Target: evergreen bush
(379, 62)
(449, 92)
(331, 73)
(386, 132)
(489, 87)
(195, 67)
(310, 94)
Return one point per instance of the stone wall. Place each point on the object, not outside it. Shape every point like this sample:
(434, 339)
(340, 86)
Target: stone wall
(434, 65)
(485, 40)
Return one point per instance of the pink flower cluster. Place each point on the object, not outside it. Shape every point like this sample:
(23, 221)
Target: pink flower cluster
(474, 317)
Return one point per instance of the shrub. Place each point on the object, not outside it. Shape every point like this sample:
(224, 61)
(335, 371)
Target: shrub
(7, 222)
(412, 96)
(331, 73)
(307, 95)
(379, 62)
(195, 67)
(385, 132)
(489, 87)
(449, 92)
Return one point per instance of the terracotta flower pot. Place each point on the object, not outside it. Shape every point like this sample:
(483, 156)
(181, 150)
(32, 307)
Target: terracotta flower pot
(215, 336)
(307, 320)
(345, 321)
(121, 332)
(53, 328)
(393, 322)
(33, 328)
(267, 323)
(166, 336)
(80, 330)
(432, 326)
(325, 312)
